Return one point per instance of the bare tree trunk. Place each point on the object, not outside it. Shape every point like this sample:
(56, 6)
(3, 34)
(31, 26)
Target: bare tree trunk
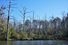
(8, 19)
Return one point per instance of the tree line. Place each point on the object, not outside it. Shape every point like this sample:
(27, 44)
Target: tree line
(54, 29)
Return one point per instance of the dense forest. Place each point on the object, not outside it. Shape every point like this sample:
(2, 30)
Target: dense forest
(53, 29)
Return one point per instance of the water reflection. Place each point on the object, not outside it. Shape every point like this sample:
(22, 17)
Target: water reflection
(3, 43)
(50, 42)
(9, 42)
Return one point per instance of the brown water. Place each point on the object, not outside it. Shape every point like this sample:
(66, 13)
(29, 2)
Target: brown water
(38, 42)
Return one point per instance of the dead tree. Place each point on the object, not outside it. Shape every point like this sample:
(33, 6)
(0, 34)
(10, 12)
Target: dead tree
(9, 9)
(8, 17)
(24, 16)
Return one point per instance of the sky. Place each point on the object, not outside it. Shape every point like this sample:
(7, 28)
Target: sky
(42, 8)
